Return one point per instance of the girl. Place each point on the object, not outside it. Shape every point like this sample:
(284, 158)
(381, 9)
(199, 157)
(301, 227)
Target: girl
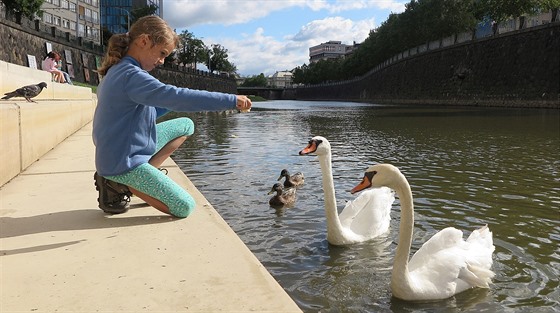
(49, 64)
(130, 146)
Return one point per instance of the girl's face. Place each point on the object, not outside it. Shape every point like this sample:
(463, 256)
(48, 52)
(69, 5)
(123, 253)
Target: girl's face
(153, 55)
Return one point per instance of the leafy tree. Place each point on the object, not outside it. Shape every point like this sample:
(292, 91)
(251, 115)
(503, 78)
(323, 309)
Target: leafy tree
(501, 10)
(27, 8)
(255, 81)
(421, 22)
(549, 5)
(217, 60)
(191, 50)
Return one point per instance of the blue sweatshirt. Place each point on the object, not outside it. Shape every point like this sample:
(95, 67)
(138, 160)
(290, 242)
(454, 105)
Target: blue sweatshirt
(129, 101)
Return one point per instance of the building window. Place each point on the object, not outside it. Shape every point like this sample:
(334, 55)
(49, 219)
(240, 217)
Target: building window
(47, 18)
(72, 25)
(81, 30)
(72, 7)
(88, 14)
(64, 4)
(56, 2)
(56, 20)
(65, 23)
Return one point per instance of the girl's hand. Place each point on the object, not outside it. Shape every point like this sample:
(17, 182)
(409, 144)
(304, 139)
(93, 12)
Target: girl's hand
(243, 104)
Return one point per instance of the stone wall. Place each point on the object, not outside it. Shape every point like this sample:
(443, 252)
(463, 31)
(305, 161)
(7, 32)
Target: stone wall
(30, 38)
(25, 37)
(518, 69)
(194, 79)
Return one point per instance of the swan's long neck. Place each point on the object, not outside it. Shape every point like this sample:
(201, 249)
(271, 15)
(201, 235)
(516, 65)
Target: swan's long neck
(400, 280)
(333, 222)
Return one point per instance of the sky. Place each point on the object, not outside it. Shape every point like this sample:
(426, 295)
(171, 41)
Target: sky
(266, 36)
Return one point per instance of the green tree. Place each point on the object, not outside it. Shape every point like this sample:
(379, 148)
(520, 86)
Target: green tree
(191, 50)
(217, 60)
(501, 10)
(19, 8)
(255, 81)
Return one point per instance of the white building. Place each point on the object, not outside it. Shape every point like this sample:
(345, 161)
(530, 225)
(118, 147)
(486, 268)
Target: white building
(281, 79)
(328, 50)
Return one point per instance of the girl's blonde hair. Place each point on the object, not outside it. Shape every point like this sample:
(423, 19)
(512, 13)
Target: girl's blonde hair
(157, 30)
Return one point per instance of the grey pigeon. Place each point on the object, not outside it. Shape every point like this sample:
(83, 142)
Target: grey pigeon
(27, 92)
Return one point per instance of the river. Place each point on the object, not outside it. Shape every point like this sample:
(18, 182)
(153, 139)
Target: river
(467, 166)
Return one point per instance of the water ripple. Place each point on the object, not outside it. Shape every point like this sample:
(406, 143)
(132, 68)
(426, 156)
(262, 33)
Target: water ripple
(467, 167)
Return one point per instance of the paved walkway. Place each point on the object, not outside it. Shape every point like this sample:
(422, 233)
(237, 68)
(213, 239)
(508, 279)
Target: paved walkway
(60, 253)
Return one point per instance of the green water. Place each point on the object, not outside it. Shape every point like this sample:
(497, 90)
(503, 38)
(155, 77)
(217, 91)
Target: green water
(467, 167)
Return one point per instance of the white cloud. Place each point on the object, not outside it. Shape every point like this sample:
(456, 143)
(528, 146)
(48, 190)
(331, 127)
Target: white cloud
(187, 13)
(257, 53)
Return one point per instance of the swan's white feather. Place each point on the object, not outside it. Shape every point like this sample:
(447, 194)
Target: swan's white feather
(446, 264)
(369, 214)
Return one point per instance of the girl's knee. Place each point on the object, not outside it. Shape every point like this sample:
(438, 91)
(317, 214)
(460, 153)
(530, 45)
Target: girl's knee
(188, 126)
(184, 208)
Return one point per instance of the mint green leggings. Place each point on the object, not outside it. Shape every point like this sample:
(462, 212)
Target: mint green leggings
(153, 182)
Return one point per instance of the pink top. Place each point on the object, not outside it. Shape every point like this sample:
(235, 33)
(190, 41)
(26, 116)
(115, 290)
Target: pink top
(49, 65)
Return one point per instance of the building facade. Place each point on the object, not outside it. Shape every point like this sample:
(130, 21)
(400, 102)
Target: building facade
(331, 50)
(327, 50)
(281, 79)
(78, 17)
(88, 18)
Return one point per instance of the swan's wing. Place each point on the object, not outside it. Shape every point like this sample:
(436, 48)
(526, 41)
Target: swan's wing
(369, 214)
(444, 239)
(446, 264)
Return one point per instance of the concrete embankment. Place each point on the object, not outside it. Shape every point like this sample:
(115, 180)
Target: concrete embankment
(517, 69)
(59, 252)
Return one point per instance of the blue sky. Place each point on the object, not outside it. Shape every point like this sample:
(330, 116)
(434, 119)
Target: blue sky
(265, 36)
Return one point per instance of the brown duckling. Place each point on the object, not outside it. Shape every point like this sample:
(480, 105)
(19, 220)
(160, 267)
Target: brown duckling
(283, 197)
(295, 180)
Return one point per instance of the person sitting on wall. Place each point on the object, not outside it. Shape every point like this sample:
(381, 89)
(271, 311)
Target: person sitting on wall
(49, 64)
(66, 75)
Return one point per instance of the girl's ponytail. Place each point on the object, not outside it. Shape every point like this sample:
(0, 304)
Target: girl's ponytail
(118, 46)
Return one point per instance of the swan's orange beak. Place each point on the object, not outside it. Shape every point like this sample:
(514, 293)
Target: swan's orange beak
(311, 147)
(365, 183)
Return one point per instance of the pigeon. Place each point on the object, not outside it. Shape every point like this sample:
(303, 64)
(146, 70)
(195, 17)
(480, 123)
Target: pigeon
(27, 92)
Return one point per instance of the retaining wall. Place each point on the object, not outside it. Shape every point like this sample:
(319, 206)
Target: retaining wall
(29, 130)
(517, 69)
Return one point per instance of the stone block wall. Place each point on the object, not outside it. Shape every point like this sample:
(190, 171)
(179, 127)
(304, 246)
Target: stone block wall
(517, 69)
(29, 38)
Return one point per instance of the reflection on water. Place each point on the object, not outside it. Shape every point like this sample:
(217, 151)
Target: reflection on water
(467, 167)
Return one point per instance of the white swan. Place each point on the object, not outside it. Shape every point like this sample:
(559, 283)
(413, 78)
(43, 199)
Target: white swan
(364, 218)
(446, 264)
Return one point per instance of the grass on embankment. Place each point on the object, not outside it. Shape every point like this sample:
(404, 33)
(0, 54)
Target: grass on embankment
(93, 88)
(256, 98)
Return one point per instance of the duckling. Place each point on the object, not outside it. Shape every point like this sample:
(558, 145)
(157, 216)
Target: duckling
(295, 180)
(283, 197)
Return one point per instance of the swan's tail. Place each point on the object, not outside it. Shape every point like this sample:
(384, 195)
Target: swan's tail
(479, 261)
(476, 276)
